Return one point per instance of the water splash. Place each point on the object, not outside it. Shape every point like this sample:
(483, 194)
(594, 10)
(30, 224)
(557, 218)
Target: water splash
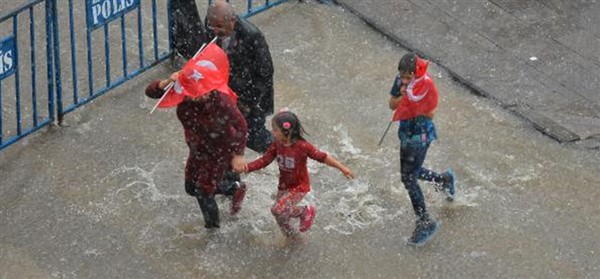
(354, 207)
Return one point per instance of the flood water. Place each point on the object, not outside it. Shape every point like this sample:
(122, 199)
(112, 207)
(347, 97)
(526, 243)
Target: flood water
(103, 196)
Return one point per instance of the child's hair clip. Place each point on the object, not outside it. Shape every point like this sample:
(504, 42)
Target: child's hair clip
(286, 125)
(284, 109)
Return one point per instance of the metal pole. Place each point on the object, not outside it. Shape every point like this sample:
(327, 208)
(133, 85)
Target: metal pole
(385, 133)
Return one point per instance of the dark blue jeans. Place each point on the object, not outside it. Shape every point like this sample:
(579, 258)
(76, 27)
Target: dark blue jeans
(259, 138)
(411, 170)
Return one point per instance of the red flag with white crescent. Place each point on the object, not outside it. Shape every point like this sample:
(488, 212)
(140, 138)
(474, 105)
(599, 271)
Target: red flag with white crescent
(207, 71)
(421, 95)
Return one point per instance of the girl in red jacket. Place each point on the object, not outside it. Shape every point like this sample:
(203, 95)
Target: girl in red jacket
(291, 151)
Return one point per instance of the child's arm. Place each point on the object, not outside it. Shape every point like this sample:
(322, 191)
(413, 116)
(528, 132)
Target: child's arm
(332, 162)
(323, 157)
(263, 161)
(395, 99)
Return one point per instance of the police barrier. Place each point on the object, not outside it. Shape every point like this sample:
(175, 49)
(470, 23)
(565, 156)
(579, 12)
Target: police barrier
(8, 57)
(109, 42)
(25, 67)
(113, 41)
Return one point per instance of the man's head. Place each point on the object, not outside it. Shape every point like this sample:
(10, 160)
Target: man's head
(221, 18)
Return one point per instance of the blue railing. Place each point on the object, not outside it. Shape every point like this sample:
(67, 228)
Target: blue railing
(22, 111)
(112, 41)
(252, 10)
(112, 34)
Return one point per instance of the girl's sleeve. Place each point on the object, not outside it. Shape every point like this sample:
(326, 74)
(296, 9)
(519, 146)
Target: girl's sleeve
(314, 153)
(265, 160)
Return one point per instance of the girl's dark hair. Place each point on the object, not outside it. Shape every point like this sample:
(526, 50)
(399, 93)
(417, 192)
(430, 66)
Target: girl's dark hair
(408, 63)
(290, 125)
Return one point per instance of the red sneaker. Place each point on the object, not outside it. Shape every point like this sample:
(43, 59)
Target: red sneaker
(238, 197)
(307, 219)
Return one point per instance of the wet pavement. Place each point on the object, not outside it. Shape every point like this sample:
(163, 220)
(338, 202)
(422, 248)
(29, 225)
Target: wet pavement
(540, 59)
(103, 197)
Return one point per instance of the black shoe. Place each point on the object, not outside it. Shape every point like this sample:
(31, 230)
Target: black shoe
(424, 230)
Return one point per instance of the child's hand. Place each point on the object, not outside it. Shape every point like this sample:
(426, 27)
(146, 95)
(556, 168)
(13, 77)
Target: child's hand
(174, 76)
(347, 173)
(238, 164)
(402, 90)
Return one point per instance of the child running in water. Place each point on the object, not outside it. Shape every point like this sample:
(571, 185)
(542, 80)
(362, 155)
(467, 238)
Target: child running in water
(414, 98)
(291, 151)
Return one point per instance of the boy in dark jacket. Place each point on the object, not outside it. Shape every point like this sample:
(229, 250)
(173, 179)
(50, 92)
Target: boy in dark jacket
(414, 98)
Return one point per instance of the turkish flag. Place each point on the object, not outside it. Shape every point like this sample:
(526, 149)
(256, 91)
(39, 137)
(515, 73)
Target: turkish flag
(421, 95)
(207, 71)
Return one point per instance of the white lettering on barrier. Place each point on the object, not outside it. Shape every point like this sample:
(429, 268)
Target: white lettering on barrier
(6, 61)
(108, 8)
(96, 10)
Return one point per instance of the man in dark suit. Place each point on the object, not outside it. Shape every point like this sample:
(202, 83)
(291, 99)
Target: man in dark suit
(251, 68)
(187, 30)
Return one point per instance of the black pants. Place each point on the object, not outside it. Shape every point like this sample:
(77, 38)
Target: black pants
(259, 138)
(187, 29)
(208, 205)
(412, 170)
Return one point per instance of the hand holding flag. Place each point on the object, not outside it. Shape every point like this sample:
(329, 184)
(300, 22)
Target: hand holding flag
(208, 70)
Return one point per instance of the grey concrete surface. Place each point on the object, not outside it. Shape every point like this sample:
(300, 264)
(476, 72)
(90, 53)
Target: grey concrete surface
(539, 58)
(102, 196)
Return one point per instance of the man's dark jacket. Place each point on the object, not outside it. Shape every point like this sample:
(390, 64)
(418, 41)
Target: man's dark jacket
(251, 68)
(187, 32)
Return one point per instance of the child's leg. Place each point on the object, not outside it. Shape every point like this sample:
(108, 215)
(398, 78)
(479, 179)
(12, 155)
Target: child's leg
(429, 175)
(232, 186)
(411, 160)
(285, 208)
(208, 205)
(210, 210)
(440, 179)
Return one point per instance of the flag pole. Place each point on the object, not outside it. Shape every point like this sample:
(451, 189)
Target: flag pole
(385, 133)
(171, 84)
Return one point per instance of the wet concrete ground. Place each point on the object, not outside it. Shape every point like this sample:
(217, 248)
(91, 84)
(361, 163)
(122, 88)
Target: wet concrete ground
(102, 196)
(540, 59)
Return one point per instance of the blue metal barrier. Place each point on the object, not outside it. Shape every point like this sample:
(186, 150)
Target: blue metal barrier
(78, 35)
(115, 36)
(21, 107)
(252, 10)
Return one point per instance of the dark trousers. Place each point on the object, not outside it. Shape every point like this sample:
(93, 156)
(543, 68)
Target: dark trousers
(208, 205)
(187, 29)
(259, 138)
(411, 170)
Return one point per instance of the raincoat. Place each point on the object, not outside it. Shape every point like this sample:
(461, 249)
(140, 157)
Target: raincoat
(214, 131)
